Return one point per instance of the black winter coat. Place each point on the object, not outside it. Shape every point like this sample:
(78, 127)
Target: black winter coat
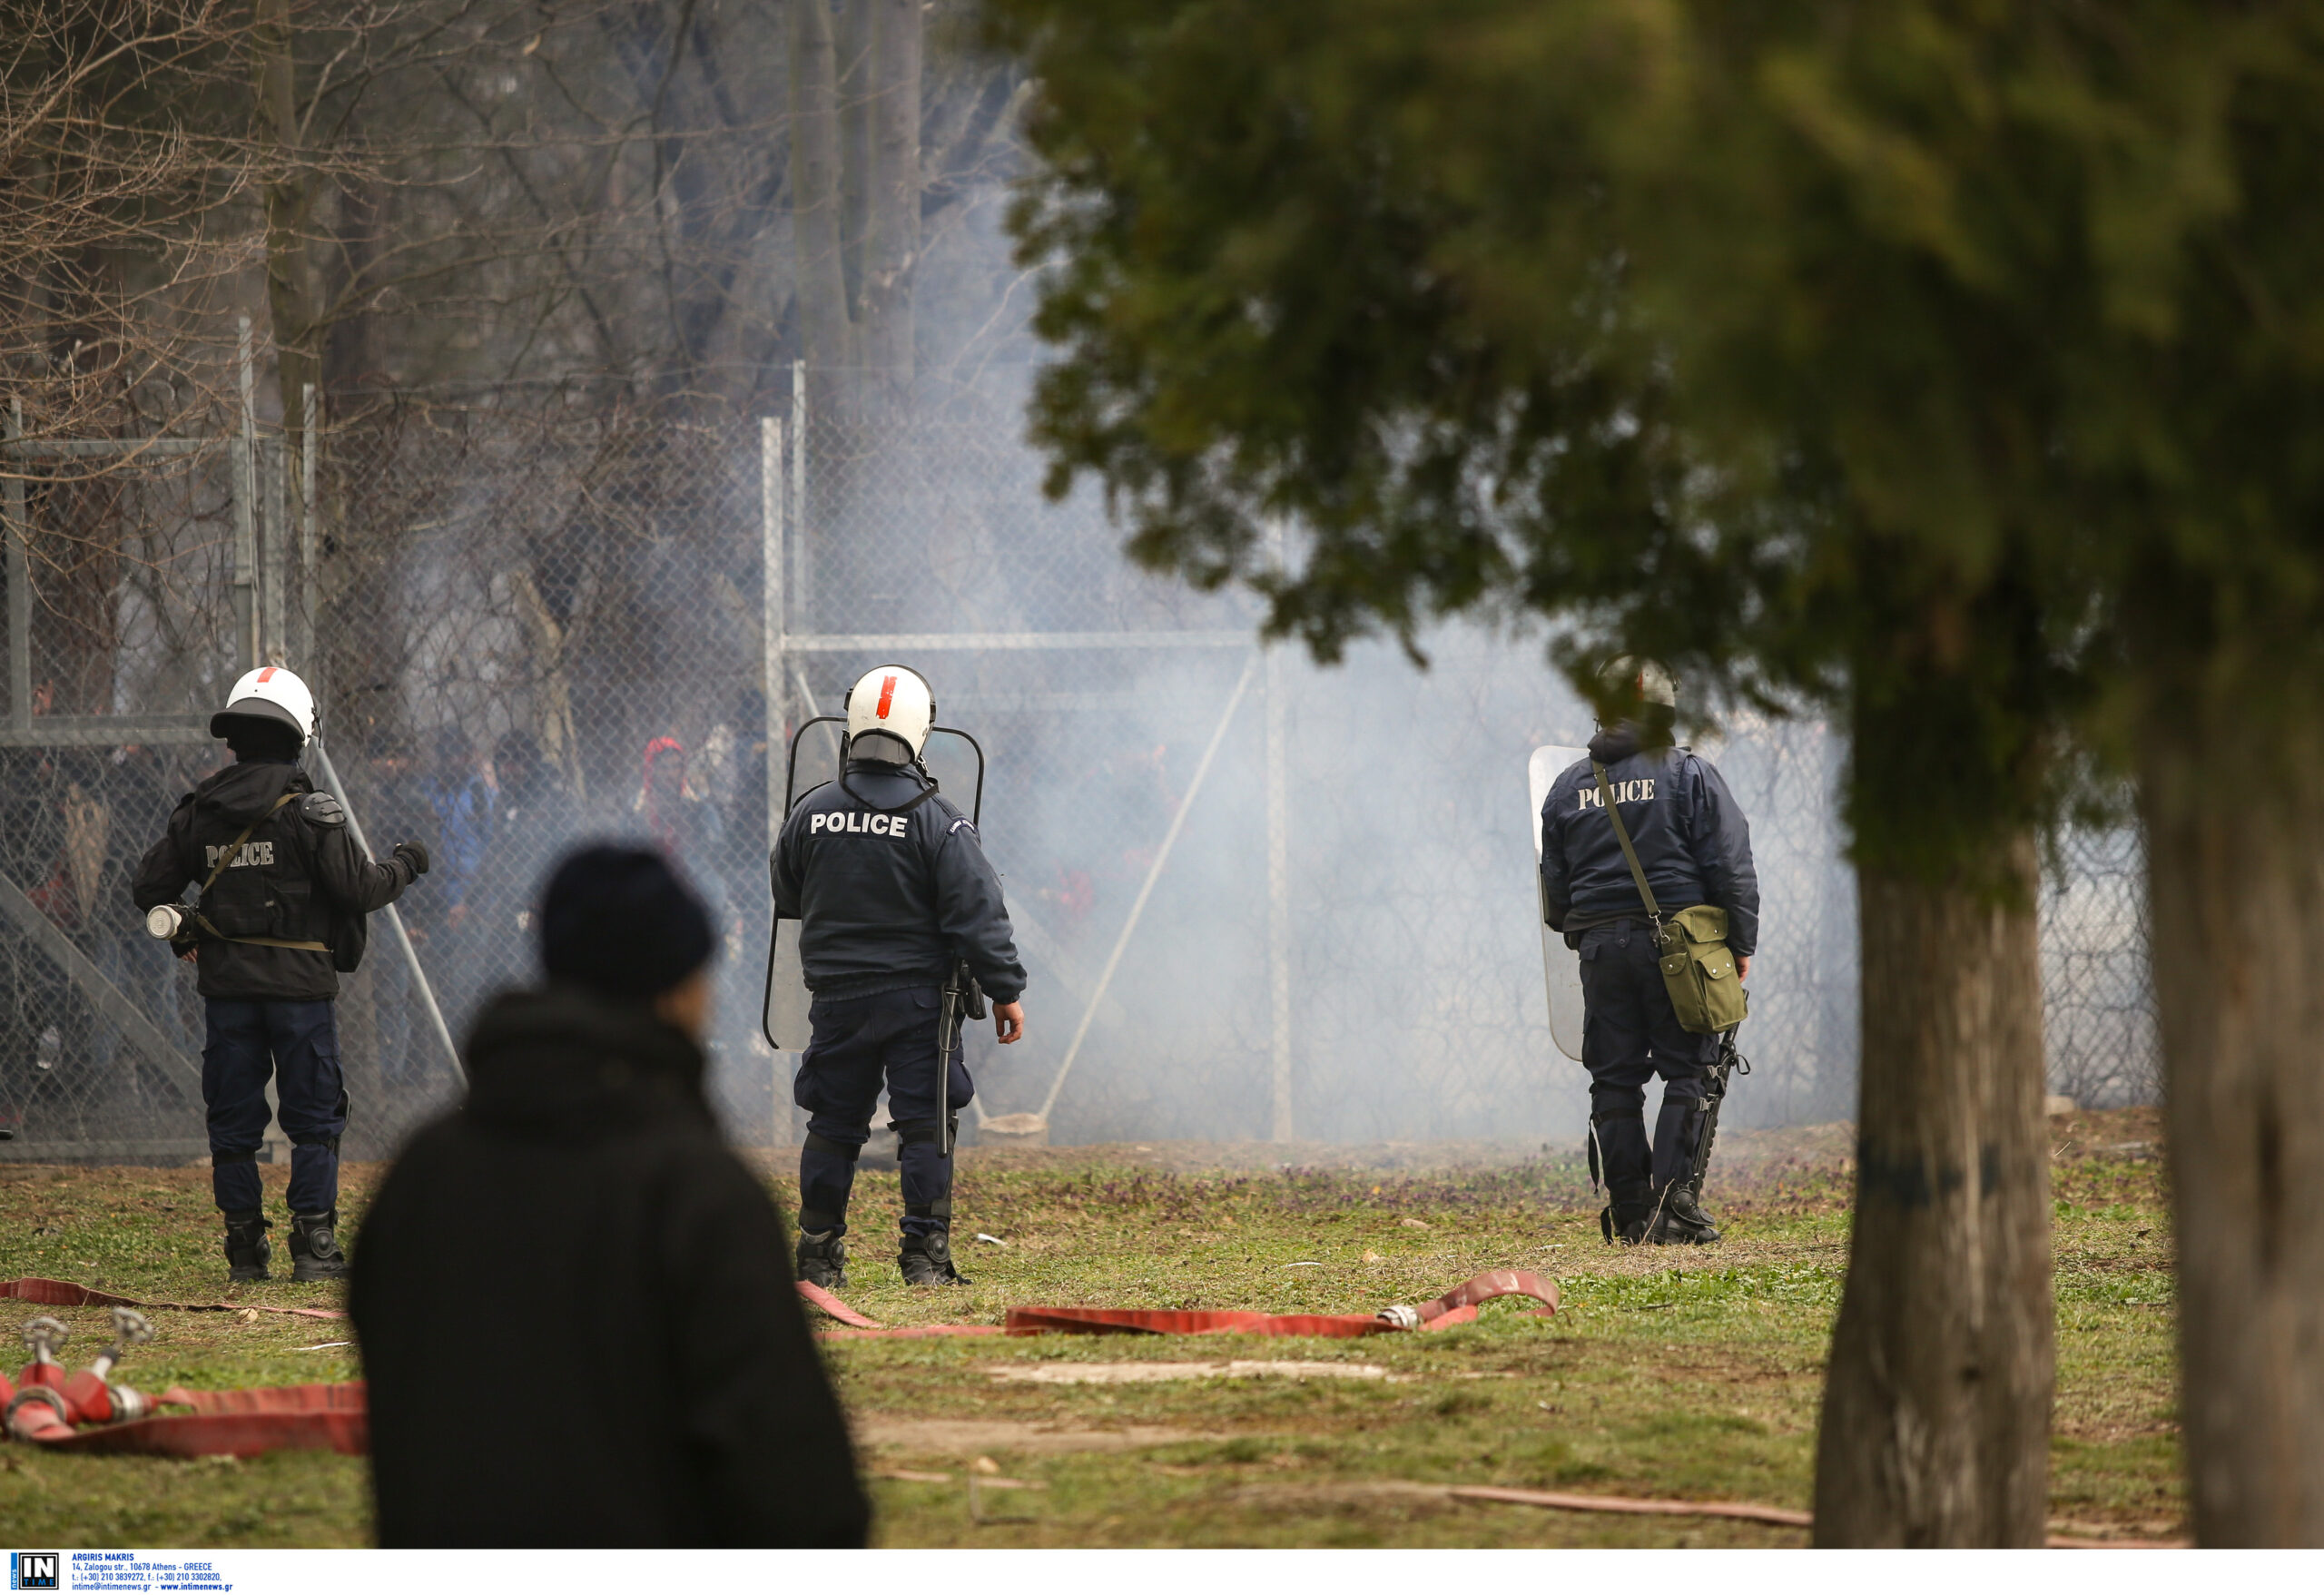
(576, 1313)
(1691, 838)
(886, 901)
(299, 878)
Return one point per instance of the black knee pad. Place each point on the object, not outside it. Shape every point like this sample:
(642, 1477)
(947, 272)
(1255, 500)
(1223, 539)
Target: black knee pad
(914, 1131)
(812, 1221)
(1606, 1101)
(940, 1209)
(228, 1160)
(328, 1143)
(843, 1150)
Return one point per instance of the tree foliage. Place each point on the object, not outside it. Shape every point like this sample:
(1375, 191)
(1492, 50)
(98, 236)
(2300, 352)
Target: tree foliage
(1839, 350)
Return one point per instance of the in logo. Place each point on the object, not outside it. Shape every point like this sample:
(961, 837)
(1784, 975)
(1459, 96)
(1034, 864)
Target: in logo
(33, 1570)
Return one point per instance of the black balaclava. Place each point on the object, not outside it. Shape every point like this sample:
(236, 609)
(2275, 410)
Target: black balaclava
(254, 741)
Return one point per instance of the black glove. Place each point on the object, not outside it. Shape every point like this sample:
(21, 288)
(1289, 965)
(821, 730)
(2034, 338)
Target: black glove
(414, 856)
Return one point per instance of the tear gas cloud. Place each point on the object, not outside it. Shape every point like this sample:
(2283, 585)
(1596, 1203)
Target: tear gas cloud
(1399, 920)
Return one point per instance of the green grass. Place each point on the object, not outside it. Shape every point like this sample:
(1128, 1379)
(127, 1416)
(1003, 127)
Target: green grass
(1666, 1373)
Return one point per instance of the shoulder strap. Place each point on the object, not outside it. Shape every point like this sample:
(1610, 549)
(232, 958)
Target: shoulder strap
(1622, 835)
(226, 858)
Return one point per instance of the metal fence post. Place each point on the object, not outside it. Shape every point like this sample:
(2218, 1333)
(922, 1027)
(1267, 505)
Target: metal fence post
(19, 536)
(1278, 870)
(274, 551)
(772, 694)
(771, 614)
(420, 983)
(308, 448)
(1278, 897)
(246, 614)
(796, 531)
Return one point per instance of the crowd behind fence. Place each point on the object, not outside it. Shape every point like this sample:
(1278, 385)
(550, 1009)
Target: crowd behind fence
(529, 626)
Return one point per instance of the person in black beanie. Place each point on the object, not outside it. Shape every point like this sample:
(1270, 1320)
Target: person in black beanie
(576, 1235)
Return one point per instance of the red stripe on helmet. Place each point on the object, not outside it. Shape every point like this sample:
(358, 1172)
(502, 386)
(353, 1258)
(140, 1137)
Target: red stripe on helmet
(887, 694)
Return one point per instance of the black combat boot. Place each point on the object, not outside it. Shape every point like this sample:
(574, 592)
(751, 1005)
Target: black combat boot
(926, 1259)
(1628, 1213)
(1679, 1219)
(822, 1259)
(314, 1248)
(246, 1245)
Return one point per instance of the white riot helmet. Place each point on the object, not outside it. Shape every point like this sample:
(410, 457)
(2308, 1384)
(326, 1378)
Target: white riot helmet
(269, 693)
(1630, 682)
(889, 713)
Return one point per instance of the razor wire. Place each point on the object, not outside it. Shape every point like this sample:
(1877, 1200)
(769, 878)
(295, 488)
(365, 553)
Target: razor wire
(531, 623)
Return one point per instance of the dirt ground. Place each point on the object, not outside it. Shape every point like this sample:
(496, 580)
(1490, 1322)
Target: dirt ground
(1685, 1375)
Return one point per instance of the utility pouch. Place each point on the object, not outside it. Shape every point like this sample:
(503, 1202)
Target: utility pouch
(1691, 947)
(350, 936)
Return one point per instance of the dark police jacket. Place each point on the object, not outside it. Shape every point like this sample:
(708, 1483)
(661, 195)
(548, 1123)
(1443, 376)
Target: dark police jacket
(1692, 840)
(887, 900)
(299, 878)
(576, 1311)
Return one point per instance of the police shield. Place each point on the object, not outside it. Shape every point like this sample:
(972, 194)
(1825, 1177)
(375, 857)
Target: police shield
(783, 1012)
(783, 1019)
(1561, 967)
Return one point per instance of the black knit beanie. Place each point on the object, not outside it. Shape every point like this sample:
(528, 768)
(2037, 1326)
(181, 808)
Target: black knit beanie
(620, 921)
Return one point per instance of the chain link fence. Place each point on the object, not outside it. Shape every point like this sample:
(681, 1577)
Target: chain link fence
(1256, 898)
(120, 622)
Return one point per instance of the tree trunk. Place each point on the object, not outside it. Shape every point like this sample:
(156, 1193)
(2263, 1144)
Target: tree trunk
(891, 249)
(293, 301)
(294, 305)
(855, 96)
(2237, 890)
(1936, 1405)
(826, 332)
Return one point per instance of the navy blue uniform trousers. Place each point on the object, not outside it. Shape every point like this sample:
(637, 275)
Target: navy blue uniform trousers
(855, 1045)
(295, 1044)
(1630, 1034)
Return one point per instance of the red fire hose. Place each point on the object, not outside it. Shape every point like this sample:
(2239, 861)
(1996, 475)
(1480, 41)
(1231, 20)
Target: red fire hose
(333, 1417)
(1457, 1305)
(239, 1423)
(64, 1292)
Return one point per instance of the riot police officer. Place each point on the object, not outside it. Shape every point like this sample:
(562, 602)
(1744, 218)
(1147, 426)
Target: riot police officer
(283, 893)
(891, 887)
(1694, 847)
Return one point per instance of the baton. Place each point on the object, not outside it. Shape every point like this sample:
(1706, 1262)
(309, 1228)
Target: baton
(962, 997)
